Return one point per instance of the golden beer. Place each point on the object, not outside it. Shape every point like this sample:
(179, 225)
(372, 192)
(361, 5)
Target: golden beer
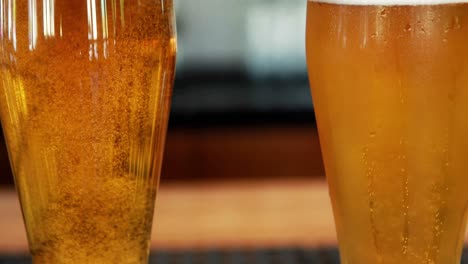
(84, 101)
(390, 89)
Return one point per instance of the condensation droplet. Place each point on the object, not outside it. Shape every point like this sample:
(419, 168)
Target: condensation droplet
(408, 28)
(383, 12)
(456, 22)
(402, 97)
(372, 134)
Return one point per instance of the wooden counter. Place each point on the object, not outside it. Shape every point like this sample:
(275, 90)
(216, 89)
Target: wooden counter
(225, 214)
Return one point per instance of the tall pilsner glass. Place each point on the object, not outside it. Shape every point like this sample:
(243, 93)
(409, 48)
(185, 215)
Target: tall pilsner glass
(84, 102)
(390, 86)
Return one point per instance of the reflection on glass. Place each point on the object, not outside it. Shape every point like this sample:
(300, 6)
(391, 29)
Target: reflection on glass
(84, 114)
(48, 8)
(8, 16)
(32, 19)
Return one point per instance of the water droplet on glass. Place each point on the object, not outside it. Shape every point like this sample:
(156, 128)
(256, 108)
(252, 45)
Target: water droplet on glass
(402, 97)
(372, 134)
(408, 28)
(383, 12)
(456, 22)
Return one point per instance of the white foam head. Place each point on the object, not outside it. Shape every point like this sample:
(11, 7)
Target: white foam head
(390, 2)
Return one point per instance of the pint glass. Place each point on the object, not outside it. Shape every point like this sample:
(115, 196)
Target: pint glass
(84, 100)
(389, 80)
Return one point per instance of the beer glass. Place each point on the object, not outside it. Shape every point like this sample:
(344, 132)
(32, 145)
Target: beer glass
(389, 80)
(84, 101)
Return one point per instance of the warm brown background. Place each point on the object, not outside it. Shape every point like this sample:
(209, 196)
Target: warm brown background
(217, 153)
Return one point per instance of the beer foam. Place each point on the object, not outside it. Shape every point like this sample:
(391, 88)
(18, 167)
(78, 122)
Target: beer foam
(390, 2)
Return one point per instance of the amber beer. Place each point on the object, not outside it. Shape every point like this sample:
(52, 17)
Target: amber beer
(390, 88)
(84, 99)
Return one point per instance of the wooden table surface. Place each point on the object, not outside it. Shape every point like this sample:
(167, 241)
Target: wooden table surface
(224, 214)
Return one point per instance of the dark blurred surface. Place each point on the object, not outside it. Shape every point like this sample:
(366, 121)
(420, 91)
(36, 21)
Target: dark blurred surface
(266, 256)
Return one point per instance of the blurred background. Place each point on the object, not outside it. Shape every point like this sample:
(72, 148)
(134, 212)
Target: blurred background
(241, 104)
